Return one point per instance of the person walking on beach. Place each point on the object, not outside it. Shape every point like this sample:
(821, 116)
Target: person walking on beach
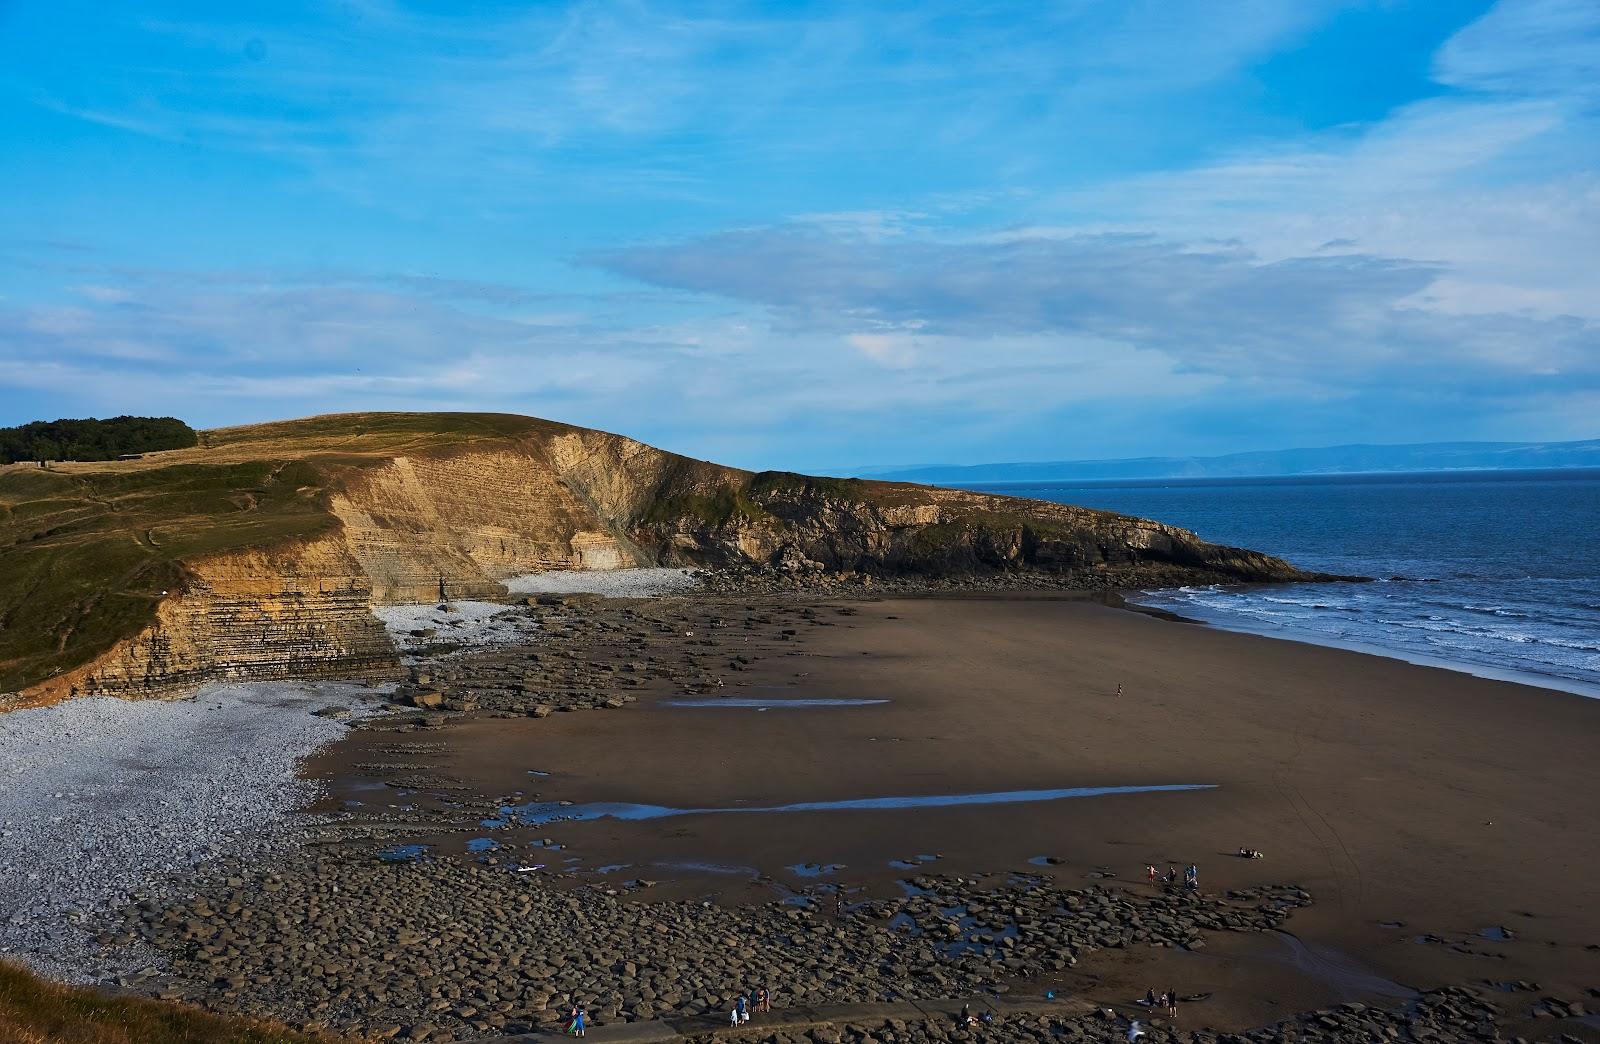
(763, 1000)
(580, 1019)
(1119, 690)
(1150, 997)
(1191, 878)
(1150, 872)
(1172, 876)
(742, 1006)
(1172, 1004)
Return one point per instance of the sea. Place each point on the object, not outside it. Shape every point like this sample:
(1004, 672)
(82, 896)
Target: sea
(1495, 573)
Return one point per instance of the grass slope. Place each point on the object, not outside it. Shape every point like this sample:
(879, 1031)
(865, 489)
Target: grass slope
(33, 1011)
(85, 556)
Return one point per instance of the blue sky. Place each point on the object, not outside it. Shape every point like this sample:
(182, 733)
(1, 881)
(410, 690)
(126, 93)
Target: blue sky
(813, 235)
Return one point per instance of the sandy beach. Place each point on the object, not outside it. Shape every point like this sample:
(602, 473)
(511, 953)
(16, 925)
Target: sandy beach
(1445, 823)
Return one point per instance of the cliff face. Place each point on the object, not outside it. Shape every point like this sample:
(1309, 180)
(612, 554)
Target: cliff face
(300, 611)
(270, 544)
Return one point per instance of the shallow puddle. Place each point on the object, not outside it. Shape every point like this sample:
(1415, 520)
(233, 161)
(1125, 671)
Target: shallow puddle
(814, 869)
(540, 813)
(912, 863)
(404, 853)
(710, 868)
(747, 703)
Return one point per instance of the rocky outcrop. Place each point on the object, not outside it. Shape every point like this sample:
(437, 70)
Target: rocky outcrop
(345, 513)
(796, 523)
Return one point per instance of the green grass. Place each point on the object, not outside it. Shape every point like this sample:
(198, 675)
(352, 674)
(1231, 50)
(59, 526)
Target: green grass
(84, 557)
(33, 1011)
(712, 509)
(384, 430)
(766, 483)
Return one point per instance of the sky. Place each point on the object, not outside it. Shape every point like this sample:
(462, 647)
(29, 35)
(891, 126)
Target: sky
(814, 236)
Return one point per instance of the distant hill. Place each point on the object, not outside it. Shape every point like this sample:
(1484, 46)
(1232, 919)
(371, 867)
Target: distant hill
(260, 552)
(1327, 460)
(93, 439)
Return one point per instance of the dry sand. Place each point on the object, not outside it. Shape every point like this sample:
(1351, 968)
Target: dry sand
(1395, 793)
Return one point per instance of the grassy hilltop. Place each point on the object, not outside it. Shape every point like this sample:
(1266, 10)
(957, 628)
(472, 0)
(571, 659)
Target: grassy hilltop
(89, 551)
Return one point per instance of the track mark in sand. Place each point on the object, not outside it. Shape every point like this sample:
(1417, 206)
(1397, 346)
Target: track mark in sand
(1346, 871)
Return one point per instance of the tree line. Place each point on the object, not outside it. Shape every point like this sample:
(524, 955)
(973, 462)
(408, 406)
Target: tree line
(92, 439)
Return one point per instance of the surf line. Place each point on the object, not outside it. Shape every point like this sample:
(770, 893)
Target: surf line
(542, 812)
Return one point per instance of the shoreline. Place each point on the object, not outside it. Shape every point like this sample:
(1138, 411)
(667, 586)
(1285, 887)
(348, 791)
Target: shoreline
(1218, 621)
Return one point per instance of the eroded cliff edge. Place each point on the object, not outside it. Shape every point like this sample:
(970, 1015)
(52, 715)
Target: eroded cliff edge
(259, 553)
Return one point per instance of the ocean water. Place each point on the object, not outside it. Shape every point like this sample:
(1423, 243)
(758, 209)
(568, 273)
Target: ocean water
(1494, 573)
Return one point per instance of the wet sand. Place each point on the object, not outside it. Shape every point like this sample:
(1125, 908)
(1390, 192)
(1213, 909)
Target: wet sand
(1414, 803)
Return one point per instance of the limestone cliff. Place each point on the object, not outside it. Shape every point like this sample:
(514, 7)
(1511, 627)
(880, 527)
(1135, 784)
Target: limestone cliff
(259, 553)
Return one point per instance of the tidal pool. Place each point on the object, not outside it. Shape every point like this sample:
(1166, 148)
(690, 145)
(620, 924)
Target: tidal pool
(748, 702)
(814, 869)
(540, 813)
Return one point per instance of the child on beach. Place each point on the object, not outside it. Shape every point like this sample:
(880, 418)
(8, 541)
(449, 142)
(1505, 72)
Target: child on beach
(579, 1018)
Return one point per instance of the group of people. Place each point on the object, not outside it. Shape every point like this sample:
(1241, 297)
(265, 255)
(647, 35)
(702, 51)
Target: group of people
(1167, 1001)
(1191, 877)
(742, 1007)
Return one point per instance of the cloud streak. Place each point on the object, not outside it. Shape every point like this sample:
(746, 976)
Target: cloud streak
(1343, 320)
